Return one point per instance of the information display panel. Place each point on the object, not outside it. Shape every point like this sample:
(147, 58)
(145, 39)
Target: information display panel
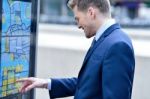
(17, 47)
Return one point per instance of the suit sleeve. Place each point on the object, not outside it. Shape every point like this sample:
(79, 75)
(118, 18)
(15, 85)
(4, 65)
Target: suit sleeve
(118, 72)
(63, 87)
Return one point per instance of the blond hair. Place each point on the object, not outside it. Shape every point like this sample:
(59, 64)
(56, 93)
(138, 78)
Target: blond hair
(102, 5)
(72, 3)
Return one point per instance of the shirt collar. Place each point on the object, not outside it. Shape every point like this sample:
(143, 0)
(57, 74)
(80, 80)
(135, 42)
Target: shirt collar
(104, 27)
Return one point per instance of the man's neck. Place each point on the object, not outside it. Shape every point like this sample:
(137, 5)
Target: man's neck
(101, 21)
(106, 24)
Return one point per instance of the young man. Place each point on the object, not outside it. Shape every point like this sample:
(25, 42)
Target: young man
(108, 68)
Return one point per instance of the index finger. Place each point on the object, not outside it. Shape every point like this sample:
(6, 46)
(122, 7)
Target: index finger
(22, 79)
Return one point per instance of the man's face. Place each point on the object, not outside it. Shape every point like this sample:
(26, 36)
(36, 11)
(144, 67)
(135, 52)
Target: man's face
(85, 22)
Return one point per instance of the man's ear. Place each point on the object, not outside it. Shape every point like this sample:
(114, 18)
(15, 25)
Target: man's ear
(91, 13)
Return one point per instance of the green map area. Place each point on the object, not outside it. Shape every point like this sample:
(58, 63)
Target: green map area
(15, 45)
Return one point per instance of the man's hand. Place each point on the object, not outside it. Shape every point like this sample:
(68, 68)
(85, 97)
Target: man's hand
(32, 82)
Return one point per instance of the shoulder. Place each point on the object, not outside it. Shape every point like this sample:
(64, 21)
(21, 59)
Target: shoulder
(116, 37)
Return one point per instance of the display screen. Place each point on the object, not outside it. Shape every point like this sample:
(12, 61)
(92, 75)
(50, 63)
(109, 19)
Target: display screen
(15, 45)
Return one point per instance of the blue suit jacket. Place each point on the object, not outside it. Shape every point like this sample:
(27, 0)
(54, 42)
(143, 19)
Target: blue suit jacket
(107, 71)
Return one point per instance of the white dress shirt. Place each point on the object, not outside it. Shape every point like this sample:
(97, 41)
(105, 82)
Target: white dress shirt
(104, 27)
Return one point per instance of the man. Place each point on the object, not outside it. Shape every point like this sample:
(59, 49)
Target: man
(108, 68)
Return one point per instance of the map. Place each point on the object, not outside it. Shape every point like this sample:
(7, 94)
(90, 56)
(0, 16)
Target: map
(15, 45)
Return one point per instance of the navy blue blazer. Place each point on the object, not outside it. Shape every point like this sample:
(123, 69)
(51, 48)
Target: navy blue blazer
(107, 71)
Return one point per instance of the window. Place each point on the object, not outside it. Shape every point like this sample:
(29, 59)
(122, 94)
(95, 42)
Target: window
(127, 13)
(55, 11)
(131, 13)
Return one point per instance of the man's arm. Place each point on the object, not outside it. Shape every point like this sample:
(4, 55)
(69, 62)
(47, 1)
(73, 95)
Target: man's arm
(57, 87)
(63, 87)
(118, 72)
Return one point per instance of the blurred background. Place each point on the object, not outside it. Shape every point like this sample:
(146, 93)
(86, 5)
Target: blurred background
(62, 46)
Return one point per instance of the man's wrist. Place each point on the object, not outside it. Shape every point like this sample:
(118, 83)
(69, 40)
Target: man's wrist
(45, 85)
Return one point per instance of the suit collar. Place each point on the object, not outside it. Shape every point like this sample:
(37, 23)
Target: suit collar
(105, 34)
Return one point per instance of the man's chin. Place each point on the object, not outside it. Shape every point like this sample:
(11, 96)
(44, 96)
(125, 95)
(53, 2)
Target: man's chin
(88, 36)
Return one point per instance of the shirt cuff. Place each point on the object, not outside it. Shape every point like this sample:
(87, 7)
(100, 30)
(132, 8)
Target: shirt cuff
(49, 84)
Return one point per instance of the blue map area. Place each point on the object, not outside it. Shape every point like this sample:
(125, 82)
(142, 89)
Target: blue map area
(15, 45)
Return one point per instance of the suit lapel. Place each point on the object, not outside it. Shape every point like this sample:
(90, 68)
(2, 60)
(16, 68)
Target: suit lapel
(91, 50)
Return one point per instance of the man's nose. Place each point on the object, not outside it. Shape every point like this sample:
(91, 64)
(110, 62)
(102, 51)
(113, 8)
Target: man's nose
(79, 26)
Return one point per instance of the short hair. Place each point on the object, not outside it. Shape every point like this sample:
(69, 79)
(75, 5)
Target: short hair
(72, 3)
(83, 5)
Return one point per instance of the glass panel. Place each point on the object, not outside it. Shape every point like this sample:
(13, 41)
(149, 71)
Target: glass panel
(15, 45)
